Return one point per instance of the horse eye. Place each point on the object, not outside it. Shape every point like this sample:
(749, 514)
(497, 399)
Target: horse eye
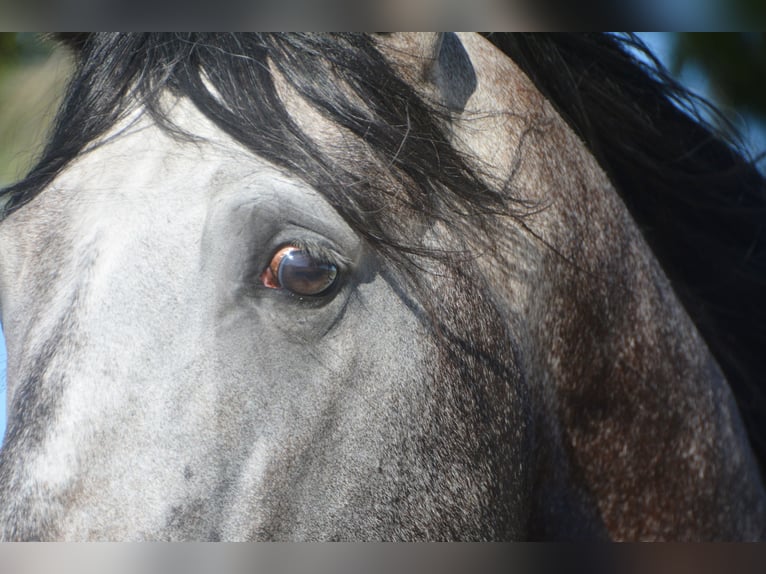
(295, 270)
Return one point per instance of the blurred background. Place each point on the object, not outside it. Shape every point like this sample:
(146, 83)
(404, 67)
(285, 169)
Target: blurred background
(32, 76)
(727, 68)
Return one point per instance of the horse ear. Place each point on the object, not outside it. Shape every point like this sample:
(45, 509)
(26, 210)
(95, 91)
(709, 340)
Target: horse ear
(452, 71)
(75, 41)
(443, 62)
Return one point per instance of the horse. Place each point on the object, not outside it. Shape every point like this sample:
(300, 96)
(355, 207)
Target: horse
(382, 287)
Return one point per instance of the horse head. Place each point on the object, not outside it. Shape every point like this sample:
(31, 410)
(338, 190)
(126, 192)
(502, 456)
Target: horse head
(345, 287)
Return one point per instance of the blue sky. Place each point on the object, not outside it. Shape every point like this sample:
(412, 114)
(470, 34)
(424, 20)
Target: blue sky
(2, 386)
(659, 42)
(693, 77)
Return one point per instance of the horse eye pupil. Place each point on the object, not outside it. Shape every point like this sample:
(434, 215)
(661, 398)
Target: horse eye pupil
(301, 274)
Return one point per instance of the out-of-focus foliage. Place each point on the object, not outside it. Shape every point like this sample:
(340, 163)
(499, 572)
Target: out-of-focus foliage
(734, 63)
(8, 48)
(31, 82)
(748, 14)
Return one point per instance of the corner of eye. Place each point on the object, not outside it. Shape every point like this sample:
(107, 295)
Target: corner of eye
(268, 279)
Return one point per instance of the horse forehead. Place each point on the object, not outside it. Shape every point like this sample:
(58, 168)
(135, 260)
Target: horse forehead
(137, 187)
(141, 170)
(153, 157)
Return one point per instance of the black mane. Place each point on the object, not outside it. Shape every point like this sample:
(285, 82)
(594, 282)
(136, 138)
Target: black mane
(699, 201)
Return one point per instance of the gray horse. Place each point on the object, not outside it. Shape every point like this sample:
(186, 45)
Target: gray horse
(369, 287)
